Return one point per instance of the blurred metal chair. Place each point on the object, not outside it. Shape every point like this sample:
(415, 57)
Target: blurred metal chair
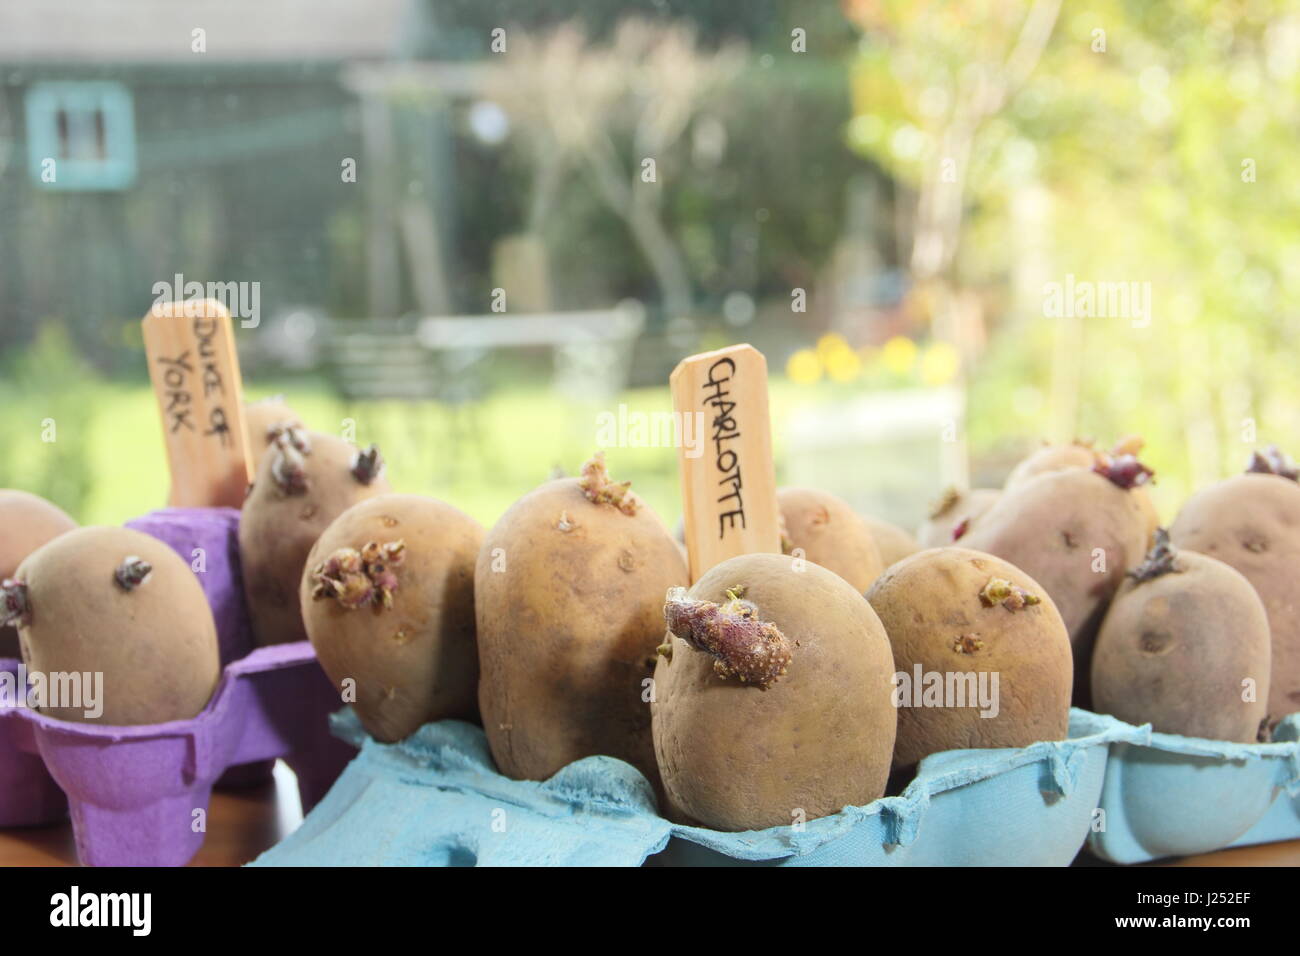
(381, 360)
(444, 360)
(592, 350)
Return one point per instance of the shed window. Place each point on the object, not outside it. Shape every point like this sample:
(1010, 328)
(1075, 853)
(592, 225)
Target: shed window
(81, 135)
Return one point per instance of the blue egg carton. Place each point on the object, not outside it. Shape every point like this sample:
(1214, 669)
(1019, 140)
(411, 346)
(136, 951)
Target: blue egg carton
(1176, 796)
(436, 799)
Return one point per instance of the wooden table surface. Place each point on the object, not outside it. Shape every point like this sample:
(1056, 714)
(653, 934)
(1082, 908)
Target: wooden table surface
(243, 823)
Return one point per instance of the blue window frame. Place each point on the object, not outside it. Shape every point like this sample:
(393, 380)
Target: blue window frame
(81, 135)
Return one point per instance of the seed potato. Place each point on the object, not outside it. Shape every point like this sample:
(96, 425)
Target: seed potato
(1075, 532)
(952, 513)
(1251, 522)
(1181, 636)
(568, 596)
(894, 543)
(955, 612)
(764, 730)
(28, 521)
(260, 422)
(307, 481)
(120, 603)
(830, 534)
(387, 597)
(1084, 454)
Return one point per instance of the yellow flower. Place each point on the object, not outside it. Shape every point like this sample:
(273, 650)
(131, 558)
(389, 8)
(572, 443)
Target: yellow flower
(899, 355)
(804, 367)
(842, 364)
(829, 344)
(939, 364)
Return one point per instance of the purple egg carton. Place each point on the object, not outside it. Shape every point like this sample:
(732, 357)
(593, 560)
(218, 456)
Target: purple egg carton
(209, 538)
(133, 792)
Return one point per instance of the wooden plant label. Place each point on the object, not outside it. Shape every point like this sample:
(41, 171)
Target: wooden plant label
(190, 347)
(728, 491)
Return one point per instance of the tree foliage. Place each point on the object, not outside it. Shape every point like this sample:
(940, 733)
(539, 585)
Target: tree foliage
(1151, 143)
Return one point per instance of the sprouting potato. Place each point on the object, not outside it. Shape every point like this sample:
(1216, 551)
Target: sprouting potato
(772, 696)
(28, 521)
(991, 633)
(1251, 522)
(1185, 647)
(952, 515)
(568, 594)
(262, 422)
(1075, 531)
(829, 533)
(1085, 454)
(894, 543)
(120, 603)
(306, 481)
(1075, 454)
(388, 600)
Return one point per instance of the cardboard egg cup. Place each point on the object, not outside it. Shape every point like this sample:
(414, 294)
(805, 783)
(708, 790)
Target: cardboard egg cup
(436, 798)
(138, 796)
(1170, 795)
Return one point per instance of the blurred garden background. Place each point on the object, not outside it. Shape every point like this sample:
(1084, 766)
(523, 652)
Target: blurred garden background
(879, 195)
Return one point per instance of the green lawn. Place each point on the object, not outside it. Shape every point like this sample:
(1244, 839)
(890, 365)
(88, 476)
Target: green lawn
(107, 461)
(479, 459)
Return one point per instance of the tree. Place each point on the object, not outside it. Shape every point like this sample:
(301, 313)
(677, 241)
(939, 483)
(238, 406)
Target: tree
(614, 114)
(1150, 143)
